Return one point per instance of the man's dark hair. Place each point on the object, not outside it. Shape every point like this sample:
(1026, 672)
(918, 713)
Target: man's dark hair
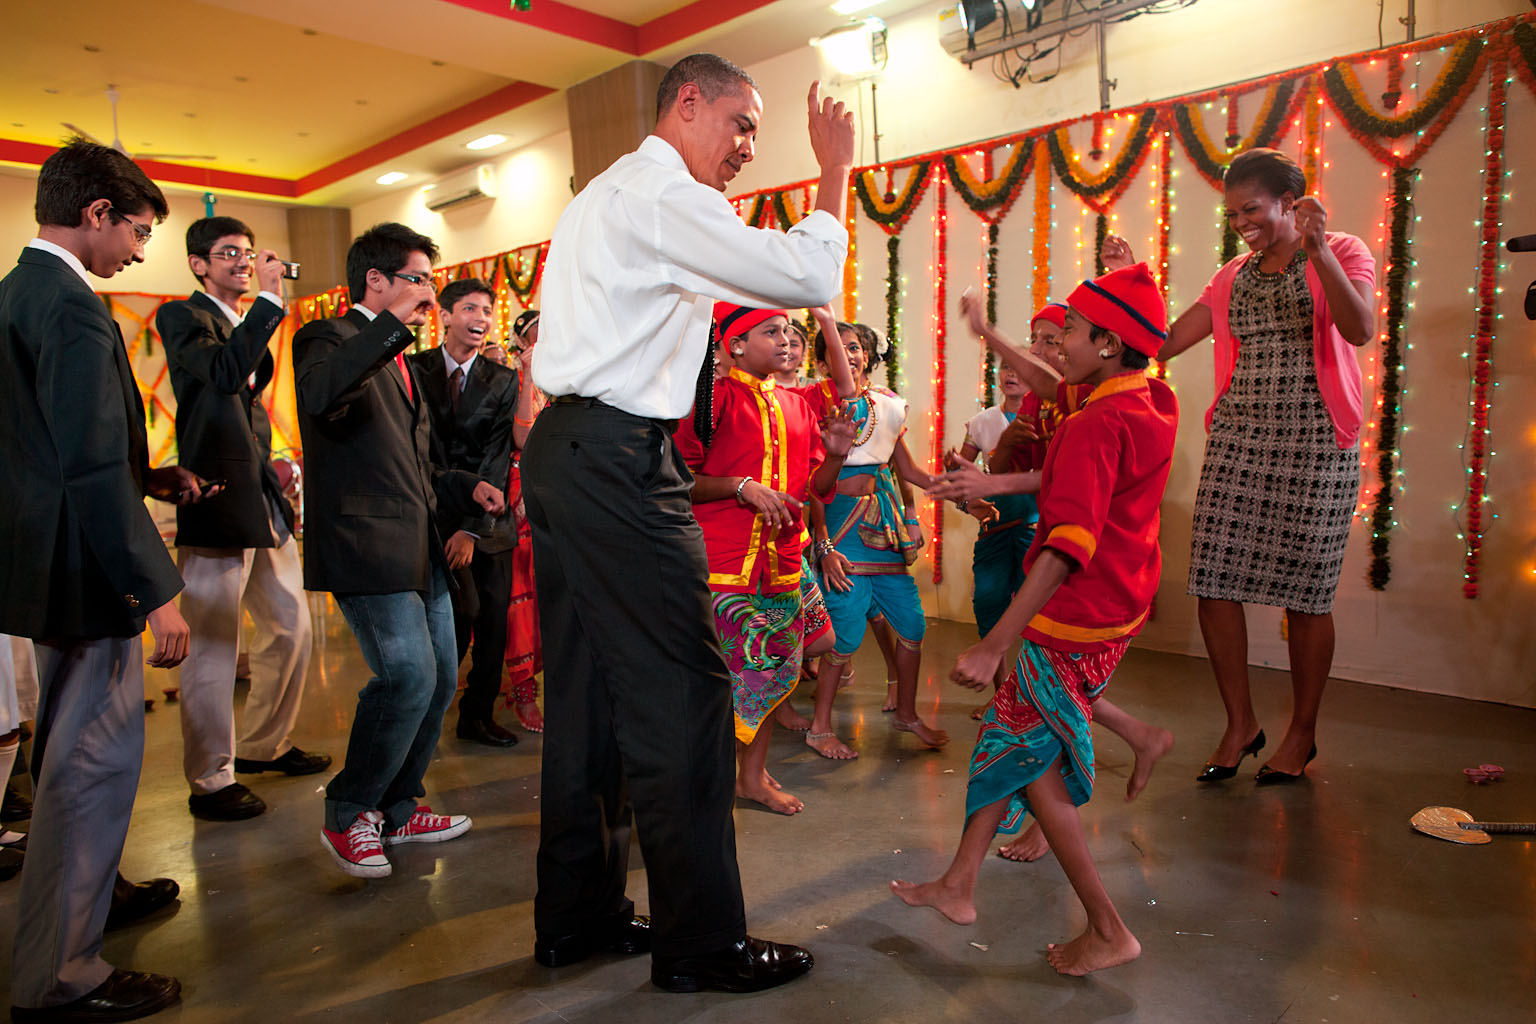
(1130, 358)
(458, 289)
(386, 248)
(715, 76)
(201, 234)
(83, 172)
(1269, 169)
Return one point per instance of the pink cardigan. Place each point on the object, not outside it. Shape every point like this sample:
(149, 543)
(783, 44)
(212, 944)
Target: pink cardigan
(1338, 371)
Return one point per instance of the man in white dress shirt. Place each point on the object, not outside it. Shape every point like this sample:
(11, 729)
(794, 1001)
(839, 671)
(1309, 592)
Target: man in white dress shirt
(638, 700)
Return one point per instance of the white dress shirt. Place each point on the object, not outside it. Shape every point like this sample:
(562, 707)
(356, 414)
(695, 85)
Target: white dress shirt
(64, 254)
(449, 365)
(634, 268)
(234, 316)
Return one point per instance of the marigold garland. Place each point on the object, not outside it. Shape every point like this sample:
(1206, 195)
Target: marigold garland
(1431, 115)
(893, 213)
(1041, 236)
(1522, 52)
(851, 261)
(991, 198)
(1164, 220)
(523, 270)
(1312, 135)
(1487, 301)
(989, 372)
(1102, 190)
(1391, 366)
(1209, 160)
(940, 371)
(892, 309)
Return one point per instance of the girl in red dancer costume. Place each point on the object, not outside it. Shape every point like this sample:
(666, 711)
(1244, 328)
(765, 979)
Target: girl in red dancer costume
(757, 452)
(525, 659)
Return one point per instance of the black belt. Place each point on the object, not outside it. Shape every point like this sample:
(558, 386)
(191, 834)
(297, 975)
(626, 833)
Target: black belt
(598, 403)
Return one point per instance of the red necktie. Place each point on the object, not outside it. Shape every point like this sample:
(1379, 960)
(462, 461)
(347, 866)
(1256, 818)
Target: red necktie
(400, 362)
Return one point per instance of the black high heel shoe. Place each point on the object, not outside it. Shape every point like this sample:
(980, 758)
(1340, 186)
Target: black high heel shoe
(1217, 772)
(1268, 776)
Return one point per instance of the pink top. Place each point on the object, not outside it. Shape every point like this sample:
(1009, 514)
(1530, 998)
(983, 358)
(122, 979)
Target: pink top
(1338, 371)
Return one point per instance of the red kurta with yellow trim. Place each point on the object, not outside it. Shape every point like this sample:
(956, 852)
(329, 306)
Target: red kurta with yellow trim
(1100, 494)
(772, 435)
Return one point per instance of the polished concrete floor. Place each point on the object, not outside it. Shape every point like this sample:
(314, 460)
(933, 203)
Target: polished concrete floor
(1307, 903)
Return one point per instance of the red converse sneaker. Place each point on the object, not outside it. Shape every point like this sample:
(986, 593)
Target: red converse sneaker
(357, 851)
(426, 827)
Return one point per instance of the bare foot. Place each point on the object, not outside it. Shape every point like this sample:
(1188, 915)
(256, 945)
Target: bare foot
(846, 679)
(771, 782)
(1149, 749)
(829, 746)
(1030, 846)
(530, 717)
(1093, 952)
(952, 903)
(791, 719)
(930, 736)
(890, 698)
(980, 712)
(773, 799)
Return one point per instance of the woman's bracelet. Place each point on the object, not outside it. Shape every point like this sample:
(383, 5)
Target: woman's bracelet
(822, 548)
(739, 486)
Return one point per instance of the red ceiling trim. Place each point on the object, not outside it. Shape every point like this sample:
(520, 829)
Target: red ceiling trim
(507, 98)
(600, 30)
(699, 16)
(564, 20)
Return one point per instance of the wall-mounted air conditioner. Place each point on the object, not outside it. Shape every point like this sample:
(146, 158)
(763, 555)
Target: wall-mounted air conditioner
(467, 186)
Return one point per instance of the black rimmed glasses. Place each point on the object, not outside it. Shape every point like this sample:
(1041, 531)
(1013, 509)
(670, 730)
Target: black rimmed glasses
(232, 254)
(413, 278)
(141, 232)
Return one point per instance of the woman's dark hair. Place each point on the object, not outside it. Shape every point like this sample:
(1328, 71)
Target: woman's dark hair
(386, 248)
(704, 394)
(83, 172)
(1269, 169)
(1129, 357)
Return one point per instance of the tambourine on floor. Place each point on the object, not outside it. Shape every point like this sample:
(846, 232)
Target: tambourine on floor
(1457, 826)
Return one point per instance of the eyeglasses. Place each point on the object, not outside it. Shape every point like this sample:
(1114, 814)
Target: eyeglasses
(140, 231)
(232, 254)
(413, 278)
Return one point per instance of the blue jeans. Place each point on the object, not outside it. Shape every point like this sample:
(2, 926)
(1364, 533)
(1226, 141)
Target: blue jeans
(407, 640)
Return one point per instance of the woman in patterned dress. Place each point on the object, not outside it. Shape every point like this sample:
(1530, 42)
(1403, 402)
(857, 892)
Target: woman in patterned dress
(1281, 474)
(525, 651)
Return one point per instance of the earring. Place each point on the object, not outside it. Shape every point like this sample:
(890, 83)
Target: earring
(1103, 353)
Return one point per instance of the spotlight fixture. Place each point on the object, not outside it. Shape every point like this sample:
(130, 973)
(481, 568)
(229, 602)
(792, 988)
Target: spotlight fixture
(485, 141)
(391, 178)
(856, 50)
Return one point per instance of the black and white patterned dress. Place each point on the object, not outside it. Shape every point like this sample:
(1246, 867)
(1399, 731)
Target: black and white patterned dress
(1276, 492)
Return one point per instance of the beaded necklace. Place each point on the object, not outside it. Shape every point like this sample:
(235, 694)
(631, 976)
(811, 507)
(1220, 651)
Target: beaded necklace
(866, 429)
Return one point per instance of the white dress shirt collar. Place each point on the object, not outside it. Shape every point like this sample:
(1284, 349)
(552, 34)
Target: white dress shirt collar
(232, 315)
(370, 314)
(449, 365)
(70, 259)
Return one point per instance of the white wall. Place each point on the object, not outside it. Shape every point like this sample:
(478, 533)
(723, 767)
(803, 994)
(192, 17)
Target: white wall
(164, 270)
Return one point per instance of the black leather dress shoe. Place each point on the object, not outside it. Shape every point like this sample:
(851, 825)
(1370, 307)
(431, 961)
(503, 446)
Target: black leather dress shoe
(125, 995)
(232, 803)
(626, 936)
(132, 901)
(484, 730)
(17, 806)
(11, 861)
(294, 762)
(750, 965)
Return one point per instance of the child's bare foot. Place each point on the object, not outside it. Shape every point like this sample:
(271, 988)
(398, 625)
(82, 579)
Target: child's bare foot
(1091, 951)
(530, 717)
(1150, 746)
(890, 698)
(791, 719)
(829, 746)
(846, 679)
(980, 711)
(932, 737)
(1030, 846)
(952, 903)
(771, 798)
(771, 782)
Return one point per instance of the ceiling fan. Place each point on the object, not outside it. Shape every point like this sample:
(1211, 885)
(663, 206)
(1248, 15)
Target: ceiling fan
(117, 142)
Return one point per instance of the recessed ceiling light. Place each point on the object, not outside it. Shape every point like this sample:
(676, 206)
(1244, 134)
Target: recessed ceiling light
(486, 141)
(852, 6)
(392, 178)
